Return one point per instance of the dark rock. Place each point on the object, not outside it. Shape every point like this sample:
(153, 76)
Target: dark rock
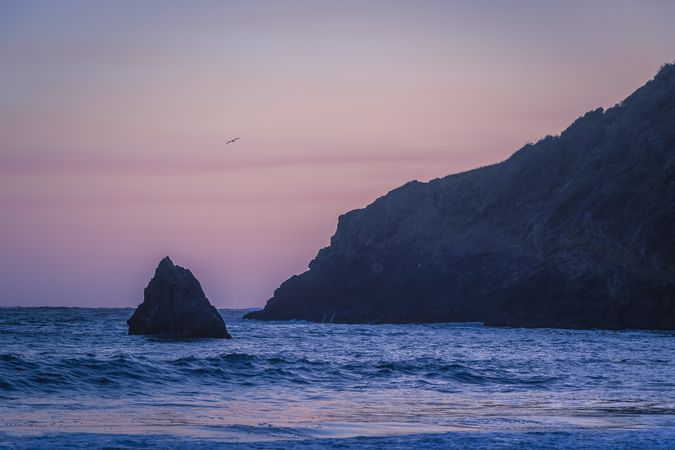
(574, 231)
(175, 305)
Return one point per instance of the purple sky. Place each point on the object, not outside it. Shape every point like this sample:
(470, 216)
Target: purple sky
(114, 115)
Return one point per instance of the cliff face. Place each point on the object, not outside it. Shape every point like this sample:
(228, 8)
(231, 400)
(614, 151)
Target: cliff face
(573, 231)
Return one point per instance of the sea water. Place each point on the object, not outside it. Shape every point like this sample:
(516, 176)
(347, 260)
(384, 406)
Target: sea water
(72, 377)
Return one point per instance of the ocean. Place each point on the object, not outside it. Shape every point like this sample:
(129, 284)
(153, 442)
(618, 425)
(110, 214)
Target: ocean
(73, 378)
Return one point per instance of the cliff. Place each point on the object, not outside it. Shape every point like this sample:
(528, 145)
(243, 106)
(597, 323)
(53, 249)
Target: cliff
(576, 230)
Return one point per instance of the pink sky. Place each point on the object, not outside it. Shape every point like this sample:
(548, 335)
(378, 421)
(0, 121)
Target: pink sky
(113, 118)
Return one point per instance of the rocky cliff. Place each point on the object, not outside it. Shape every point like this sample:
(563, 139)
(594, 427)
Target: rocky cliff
(576, 230)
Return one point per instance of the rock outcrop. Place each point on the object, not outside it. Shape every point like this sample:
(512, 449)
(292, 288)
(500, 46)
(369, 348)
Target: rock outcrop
(174, 305)
(574, 231)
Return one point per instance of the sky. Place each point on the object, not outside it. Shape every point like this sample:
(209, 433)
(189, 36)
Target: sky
(114, 117)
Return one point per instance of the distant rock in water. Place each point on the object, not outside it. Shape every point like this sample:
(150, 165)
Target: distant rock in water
(175, 305)
(574, 231)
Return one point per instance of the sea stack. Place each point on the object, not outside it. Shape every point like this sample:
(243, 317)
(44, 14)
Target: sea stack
(174, 305)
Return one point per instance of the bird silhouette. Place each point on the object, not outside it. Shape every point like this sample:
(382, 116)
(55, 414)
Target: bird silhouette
(231, 141)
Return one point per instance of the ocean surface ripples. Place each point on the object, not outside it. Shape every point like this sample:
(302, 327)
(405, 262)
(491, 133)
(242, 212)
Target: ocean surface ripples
(70, 370)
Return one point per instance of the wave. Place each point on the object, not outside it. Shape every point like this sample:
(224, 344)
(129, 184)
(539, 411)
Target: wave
(137, 373)
(462, 373)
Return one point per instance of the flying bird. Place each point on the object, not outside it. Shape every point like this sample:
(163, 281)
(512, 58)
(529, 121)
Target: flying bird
(231, 141)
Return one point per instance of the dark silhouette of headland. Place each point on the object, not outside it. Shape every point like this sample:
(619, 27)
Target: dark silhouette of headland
(574, 231)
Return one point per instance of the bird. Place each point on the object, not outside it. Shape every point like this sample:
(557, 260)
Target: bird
(231, 141)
